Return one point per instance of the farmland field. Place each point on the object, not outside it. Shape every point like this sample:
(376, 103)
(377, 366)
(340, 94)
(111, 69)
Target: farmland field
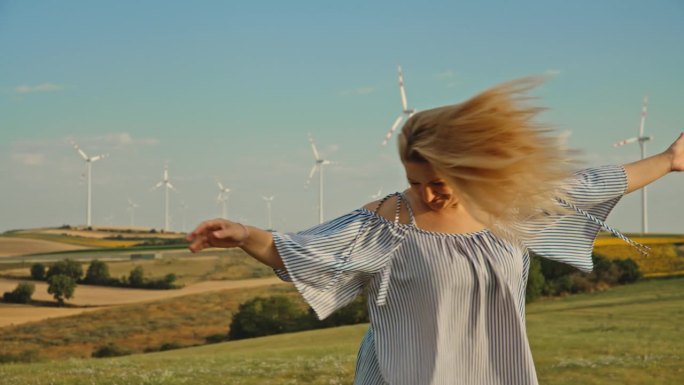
(627, 335)
(15, 246)
(666, 255)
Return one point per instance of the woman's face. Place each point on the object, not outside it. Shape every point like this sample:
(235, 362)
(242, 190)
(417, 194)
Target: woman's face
(432, 188)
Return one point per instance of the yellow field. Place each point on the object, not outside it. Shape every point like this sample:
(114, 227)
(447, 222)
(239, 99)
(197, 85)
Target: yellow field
(666, 256)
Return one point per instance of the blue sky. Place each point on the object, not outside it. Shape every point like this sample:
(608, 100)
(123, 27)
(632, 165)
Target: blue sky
(230, 91)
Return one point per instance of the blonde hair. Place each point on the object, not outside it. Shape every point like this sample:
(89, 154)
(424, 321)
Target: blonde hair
(506, 167)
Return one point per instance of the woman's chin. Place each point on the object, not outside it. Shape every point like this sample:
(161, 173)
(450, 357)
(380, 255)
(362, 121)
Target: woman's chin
(436, 206)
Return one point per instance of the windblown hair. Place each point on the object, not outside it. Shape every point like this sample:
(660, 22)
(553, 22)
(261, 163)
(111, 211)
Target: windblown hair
(506, 167)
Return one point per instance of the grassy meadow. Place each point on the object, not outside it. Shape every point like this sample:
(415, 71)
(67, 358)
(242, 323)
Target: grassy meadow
(184, 321)
(626, 335)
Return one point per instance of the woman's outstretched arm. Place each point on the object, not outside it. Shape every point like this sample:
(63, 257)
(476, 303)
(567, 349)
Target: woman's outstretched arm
(223, 233)
(643, 172)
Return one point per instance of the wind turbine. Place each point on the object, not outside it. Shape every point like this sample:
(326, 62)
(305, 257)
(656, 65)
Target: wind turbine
(223, 199)
(89, 169)
(269, 200)
(318, 165)
(167, 186)
(406, 112)
(642, 144)
(378, 195)
(131, 209)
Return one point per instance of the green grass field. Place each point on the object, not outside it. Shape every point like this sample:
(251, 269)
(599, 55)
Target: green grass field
(626, 335)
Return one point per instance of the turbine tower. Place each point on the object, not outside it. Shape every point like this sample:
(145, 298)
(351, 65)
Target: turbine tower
(223, 199)
(131, 209)
(89, 169)
(318, 165)
(406, 112)
(268, 201)
(167, 186)
(642, 144)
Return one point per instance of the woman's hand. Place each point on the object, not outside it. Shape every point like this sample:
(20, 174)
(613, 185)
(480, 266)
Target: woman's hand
(645, 171)
(217, 233)
(676, 153)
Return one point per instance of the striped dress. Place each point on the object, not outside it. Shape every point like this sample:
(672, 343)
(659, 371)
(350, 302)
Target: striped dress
(444, 308)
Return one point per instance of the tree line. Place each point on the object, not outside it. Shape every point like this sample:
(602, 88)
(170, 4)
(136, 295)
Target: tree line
(63, 277)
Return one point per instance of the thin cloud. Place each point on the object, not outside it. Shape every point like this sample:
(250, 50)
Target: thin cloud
(124, 138)
(29, 159)
(445, 75)
(365, 90)
(552, 72)
(448, 77)
(114, 139)
(45, 87)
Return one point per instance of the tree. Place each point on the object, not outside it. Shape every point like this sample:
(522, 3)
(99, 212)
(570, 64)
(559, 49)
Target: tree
(61, 287)
(21, 294)
(111, 350)
(38, 271)
(66, 267)
(266, 315)
(535, 280)
(97, 274)
(137, 277)
(629, 270)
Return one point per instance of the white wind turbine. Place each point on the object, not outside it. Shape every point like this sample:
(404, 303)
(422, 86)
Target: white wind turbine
(131, 210)
(642, 144)
(406, 112)
(377, 195)
(223, 199)
(268, 201)
(167, 186)
(318, 165)
(89, 169)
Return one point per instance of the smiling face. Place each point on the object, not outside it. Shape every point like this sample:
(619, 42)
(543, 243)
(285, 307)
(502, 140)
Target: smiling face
(428, 185)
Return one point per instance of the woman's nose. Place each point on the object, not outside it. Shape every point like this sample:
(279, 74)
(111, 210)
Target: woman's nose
(427, 194)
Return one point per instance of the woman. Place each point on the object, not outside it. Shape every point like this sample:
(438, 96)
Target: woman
(446, 261)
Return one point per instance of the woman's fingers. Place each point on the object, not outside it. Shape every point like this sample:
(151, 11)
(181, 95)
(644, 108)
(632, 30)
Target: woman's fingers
(210, 225)
(214, 233)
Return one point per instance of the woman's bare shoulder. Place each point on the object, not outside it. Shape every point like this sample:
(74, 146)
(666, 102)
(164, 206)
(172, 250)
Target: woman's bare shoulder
(387, 208)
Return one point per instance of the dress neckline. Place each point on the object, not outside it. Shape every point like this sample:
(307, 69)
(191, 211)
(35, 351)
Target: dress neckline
(412, 226)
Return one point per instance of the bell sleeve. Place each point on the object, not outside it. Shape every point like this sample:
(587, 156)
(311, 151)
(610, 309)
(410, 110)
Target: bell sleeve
(592, 194)
(331, 263)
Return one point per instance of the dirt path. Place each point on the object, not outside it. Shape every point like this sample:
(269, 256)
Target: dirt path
(105, 296)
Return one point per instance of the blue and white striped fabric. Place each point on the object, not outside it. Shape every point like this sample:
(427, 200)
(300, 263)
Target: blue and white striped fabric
(444, 308)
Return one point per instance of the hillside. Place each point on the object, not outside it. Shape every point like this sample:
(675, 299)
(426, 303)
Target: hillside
(627, 335)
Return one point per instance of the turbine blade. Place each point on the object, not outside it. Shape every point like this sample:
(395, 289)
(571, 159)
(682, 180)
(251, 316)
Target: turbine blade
(158, 185)
(96, 158)
(644, 109)
(313, 171)
(404, 104)
(391, 131)
(220, 185)
(313, 147)
(78, 149)
(626, 141)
